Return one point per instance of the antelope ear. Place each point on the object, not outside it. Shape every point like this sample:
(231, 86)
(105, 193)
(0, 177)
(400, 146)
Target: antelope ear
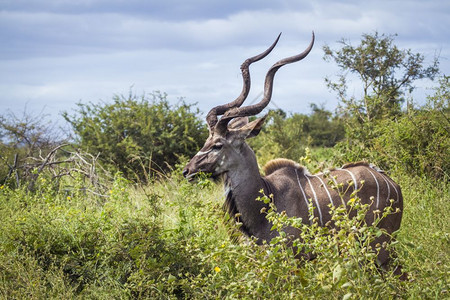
(251, 129)
(237, 123)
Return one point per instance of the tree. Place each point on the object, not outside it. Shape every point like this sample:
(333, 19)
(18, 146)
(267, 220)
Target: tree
(23, 138)
(28, 132)
(385, 71)
(139, 136)
(288, 137)
(323, 129)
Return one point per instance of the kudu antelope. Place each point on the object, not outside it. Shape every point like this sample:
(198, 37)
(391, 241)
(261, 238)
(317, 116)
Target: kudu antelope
(227, 155)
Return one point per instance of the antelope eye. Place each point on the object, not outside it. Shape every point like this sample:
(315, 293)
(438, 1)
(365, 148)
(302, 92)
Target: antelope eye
(217, 146)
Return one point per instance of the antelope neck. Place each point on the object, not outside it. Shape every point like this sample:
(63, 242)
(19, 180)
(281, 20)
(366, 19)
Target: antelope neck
(243, 185)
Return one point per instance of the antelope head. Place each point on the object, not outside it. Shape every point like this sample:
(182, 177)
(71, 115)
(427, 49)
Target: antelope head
(225, 147)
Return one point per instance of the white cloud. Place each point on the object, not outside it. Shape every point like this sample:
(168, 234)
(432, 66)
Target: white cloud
(57, 54)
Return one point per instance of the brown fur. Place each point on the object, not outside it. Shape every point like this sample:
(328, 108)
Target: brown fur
(356, 164)
(280, 163)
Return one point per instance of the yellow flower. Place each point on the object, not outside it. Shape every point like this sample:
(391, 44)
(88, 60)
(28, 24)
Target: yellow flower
(217, 269)
(2, 187)
(320, 276)
(68, 197)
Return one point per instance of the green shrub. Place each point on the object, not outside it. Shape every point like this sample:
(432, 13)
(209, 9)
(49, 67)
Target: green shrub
(139, 136)
(419, 141)
(91, 246)
(416, 142)
(425, 236)
(287, 137)
(229, 269)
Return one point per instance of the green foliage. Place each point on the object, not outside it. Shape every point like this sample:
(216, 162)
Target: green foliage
(345, 257)
(168, 240)
(376, 129)
(416, 142)
(289, 136)
(83, 246)
(139, 136)
(425, 236)
(385, 73)
(323, 129)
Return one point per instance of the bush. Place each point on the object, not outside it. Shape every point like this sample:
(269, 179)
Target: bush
(419, 141)
(416, 142)
(232, 269)
(287, 137)
(81, 246)
(139, 136)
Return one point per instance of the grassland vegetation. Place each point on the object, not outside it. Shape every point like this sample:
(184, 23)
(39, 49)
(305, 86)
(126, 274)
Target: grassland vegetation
(169, 239)
(105, 227)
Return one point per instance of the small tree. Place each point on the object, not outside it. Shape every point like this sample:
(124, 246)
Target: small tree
(24, 137)
(385, 72)
(138, 135)
(28, 132)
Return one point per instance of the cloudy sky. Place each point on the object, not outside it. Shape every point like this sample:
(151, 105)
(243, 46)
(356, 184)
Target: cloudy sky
(55, 53)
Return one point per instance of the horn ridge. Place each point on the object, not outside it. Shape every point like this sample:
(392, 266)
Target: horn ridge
(211, 118)
(268, 87)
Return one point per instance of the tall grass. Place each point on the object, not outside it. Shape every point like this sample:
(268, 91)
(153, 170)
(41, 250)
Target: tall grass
(425, 236)
(169, 239)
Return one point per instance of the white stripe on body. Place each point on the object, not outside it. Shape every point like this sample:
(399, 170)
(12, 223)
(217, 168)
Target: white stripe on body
(301, 188)
(315, 199)
(396, 191)
(387, 180)
(353, 177)
(389, 189)
(326, 189)
(337, 189)
(393, 185)
(378, 188)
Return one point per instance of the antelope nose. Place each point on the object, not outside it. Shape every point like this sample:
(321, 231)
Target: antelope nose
(185, 172)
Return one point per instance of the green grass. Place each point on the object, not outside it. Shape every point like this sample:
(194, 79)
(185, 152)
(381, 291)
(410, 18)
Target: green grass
(169, 240)
(425, 237)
